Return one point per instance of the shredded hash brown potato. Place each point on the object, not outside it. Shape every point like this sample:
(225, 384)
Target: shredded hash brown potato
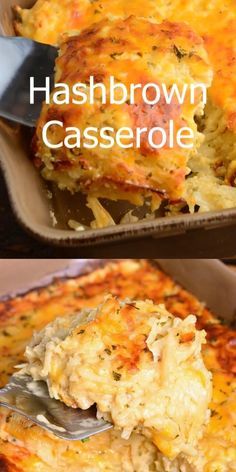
(120, 357)
(213, 188)
(25, 447)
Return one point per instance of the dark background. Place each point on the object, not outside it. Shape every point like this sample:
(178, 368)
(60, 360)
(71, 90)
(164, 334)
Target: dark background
(16, 243)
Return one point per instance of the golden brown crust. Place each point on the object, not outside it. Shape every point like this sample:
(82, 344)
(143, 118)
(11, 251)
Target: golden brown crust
(176, 299)
(105, 50)
(4, 464)
(7, 465)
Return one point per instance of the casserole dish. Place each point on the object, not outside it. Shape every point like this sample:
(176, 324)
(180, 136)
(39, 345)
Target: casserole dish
(44, 210)
(24, 448)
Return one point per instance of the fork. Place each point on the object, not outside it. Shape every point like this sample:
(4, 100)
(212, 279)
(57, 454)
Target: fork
(31, 399)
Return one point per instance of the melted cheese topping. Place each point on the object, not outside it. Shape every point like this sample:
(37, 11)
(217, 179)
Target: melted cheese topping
(25, 447)
(120, 356)
(133, 51)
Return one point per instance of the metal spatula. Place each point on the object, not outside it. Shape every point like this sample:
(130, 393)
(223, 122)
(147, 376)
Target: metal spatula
(31, 399)
(21, 59)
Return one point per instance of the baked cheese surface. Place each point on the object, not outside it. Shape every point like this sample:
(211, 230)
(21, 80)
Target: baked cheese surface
(134, 51)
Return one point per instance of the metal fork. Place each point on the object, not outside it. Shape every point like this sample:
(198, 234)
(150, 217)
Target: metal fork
(20, 59)
(31, 399)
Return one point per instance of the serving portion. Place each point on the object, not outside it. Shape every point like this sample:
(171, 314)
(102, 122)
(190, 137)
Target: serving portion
(179, 180)
(119, 356)
(134, 51)
(80, 339)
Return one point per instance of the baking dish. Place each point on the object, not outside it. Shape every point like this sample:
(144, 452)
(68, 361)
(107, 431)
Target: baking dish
(36, 211)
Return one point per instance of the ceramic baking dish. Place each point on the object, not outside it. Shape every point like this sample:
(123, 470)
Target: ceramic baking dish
(36, 211)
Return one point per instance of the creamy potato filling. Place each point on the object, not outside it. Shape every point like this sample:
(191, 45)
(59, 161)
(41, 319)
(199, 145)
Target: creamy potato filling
(141, 366)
